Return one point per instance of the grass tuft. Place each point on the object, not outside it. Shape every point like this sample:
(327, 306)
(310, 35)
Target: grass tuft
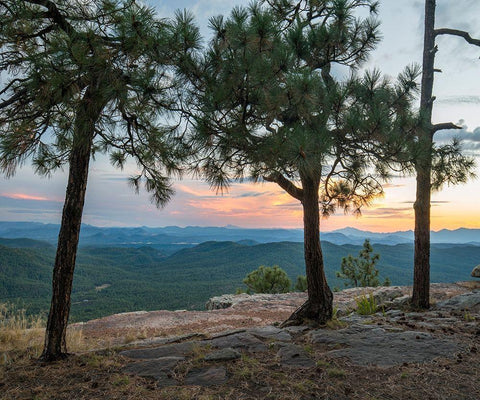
(19, 333)
(336, 373)
(23, 335)
(366, 305)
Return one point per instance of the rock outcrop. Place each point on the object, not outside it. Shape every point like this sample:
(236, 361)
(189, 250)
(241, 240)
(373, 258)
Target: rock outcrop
(464, 302)
(384, 296)
(476, 272)
(384, 339)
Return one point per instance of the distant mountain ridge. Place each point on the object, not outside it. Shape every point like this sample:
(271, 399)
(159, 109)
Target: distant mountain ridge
(111, 280)
(174, 238)
(456, 236)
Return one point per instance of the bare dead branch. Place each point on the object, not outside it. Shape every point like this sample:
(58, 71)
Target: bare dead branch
(456, 32)
(445, 125)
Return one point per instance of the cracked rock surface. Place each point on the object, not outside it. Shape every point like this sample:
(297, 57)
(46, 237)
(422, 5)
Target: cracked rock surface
(384, 339)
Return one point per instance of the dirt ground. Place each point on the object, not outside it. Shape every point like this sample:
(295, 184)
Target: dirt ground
(98, 374)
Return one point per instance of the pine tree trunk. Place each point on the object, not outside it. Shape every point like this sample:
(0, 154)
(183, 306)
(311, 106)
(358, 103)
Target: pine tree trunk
(421, 279)
(55, 338)
(319, 305)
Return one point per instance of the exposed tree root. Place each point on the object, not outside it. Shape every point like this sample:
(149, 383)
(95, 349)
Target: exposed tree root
(309, 314)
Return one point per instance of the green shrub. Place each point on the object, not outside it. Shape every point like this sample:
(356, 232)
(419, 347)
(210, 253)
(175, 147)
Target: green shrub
(301, 285)
(361, 271)
(366, 305)
(268, 280)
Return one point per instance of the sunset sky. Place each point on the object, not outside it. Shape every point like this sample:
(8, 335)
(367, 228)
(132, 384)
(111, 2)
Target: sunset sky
(111, 202)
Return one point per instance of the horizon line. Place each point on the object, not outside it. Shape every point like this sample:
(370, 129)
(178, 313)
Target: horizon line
(230, 226)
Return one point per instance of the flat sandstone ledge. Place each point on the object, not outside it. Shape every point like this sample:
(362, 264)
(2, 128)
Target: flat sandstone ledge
(248, 311)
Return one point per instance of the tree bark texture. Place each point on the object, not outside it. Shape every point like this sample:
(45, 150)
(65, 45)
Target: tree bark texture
(421, 279)
(319, 305)
(88, 113)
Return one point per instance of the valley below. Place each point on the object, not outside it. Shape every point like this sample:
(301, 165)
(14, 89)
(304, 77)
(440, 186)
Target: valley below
(124, 273)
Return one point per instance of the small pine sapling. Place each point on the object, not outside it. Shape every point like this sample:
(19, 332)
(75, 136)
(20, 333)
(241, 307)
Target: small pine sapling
(361, 271)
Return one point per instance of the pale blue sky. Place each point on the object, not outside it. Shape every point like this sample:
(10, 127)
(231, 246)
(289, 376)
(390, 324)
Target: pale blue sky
(111, 202)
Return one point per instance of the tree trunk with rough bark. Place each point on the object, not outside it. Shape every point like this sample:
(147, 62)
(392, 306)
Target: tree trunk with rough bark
(86, 118)
(319, 305)
(421, 281)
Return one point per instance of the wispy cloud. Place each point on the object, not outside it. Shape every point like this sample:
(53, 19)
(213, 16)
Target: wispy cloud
(289, 206)
(253, 194)
(432, 202)
(24, 196)
(113, 178)
(34, 212)
(449, 15)
(196, 192)
(387, 212)
(462, 134)
(470, 139)
(459, 99)
(393, 185)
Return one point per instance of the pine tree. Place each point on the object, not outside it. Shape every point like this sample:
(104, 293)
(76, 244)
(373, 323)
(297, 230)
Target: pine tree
(361, 271)
(85, 78)
(433, 166)
(265, 104)
(268, 280)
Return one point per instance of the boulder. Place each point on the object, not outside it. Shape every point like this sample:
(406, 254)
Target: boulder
(476, 272)
(386, 294)
(462, 302)
(225, 301)
(401, 301)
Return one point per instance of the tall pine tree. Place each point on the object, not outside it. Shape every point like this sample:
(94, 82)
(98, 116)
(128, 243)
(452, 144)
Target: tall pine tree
(85, 78)
(265, 104)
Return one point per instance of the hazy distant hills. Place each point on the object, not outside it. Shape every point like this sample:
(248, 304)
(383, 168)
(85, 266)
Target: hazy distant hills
(111, 280)
(356, 236)
(129, 269)
(172, 238)
(24, 243)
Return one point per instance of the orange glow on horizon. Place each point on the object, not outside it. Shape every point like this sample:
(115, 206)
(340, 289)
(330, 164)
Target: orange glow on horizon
(23, 196)
(265, 205)
(246, 205)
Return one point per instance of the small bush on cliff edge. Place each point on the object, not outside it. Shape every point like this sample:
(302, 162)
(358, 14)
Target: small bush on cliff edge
(361, 271)
(268, 280)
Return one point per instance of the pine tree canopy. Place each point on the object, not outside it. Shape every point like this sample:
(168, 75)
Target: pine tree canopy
(116, 53)
(272, 103)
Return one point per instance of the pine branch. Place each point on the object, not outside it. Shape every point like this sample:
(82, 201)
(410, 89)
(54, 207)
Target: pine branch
(456, 32)
(37, 34)
(327, 78)
(285, 184)
(445, 125)
(55, 14)
(18, 95)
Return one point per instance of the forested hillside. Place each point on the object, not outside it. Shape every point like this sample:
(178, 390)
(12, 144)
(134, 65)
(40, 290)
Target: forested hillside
(112, 280)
